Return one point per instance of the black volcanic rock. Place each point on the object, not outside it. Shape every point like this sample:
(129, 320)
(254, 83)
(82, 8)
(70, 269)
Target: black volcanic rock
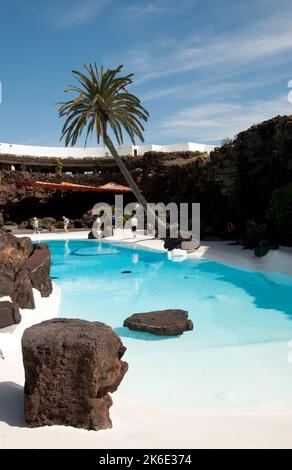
(260, 251)
(160, 322)
(26, 245)
(14, 277)
(7, 276)
(39, 265)
(71, 366)
(172, 243)
(13, 251)
(181, 243)
(22, 267)
(9, 314)
(22, 293)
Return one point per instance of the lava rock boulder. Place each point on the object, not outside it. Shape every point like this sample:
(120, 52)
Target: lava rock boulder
(39, 266)
(9, 314)
(71, 366)
(22, 293)
(15, 279)
(160, 322)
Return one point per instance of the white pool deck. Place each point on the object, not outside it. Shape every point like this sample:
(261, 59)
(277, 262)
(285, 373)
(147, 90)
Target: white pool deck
(134, 426)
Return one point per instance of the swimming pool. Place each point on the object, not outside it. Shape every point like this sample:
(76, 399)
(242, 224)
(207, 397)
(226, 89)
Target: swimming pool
(237, 356)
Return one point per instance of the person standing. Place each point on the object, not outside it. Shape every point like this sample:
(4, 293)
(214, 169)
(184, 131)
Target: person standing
(134, 223)
(114, 218)
(66, 223)
(35, 225)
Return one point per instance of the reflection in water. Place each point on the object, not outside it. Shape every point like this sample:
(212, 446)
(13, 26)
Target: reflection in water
(135, 258)
(67, 249)
(141, 335)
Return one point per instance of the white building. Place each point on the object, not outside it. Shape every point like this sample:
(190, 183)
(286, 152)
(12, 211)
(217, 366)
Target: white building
(97, 152)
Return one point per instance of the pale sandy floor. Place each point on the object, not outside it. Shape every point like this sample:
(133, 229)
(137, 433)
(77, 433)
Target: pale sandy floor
(135, 426)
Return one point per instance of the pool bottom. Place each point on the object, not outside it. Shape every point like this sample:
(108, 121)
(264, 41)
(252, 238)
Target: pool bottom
(237, 356)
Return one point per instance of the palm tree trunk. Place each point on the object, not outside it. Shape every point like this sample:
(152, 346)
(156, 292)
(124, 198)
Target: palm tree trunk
(125, 172)
(132, 184)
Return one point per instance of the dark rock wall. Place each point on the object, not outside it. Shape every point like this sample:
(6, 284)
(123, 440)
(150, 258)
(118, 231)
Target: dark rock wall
(234, 184)
(19, 204)
(23, 266)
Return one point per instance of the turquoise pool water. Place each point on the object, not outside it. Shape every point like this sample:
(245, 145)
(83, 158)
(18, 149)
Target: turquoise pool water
(236, 357)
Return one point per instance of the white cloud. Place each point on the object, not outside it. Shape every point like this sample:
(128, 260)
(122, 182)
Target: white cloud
(258, 42)
(144, 9)
(213, 121)
(141, 10)
(78, 12)
(217, 67)
(218, 86)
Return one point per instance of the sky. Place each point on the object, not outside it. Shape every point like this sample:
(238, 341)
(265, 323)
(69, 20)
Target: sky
(205, 70)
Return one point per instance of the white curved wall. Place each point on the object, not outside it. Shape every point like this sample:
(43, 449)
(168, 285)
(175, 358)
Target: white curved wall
(96, 152)
(60, 152)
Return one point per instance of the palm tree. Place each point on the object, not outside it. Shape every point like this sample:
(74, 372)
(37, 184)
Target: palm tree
(102, 103)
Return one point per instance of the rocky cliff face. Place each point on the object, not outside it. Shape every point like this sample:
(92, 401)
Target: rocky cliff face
(254, 165)
(234, 184)
(22, 268)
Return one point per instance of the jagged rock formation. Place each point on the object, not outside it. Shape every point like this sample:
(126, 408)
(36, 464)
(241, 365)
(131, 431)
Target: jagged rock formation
(19, 274)
(22, 293)
(39, 266)
(160, 322)
(250, 168)
(14, 277)
(71, 366)
(9, 314)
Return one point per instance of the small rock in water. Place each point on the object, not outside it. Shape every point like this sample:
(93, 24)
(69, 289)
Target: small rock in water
(160, 322)
(126, 272)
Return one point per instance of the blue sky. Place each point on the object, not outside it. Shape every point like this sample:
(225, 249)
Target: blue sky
(204, 69)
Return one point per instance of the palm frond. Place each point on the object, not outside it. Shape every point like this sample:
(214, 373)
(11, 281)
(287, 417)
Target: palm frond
(102, 101)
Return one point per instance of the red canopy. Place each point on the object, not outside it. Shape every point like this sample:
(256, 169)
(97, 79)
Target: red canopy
(64, 186)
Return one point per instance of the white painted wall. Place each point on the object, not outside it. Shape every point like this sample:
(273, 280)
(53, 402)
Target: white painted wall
(147, 148)
(187, 146)
(60, 152)
(96, 152)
